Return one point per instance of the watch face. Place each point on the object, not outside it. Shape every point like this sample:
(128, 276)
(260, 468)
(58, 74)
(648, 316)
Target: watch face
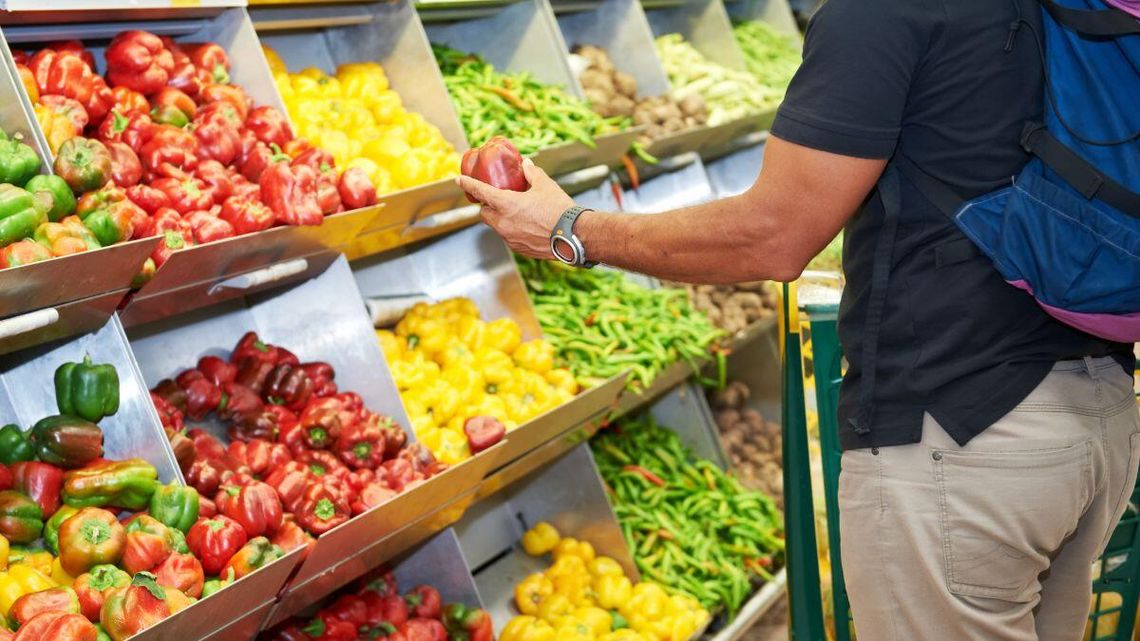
(563, 249)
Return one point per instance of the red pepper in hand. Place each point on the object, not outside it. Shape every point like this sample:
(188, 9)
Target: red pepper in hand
(208, 227)
(318, 511)
(231, 94)
(210, 57)
(92, 588)
(424, 602)
(148, 197)
(57, 626)
(291, 536)
(40, 481)
(254, 555)
(139, 61)
(255, 506)
(356, 189)
(135, 129)
(483, 432)
(246, 215)
(496, 163)
(170, 152)
(269, 125)
(183, 572)
(61, 600)
(291, 192)
(129, 101)
(217, 370)
(126, 169)
(214, 541)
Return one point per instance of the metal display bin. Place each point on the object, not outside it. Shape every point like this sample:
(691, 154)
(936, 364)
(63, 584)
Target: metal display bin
(686, 186)
(705, 25)
(777, 13)
(475, 263)
(736, 173)
(570, 495)
(527, 38)
(195, 276)
(321, 319)
(325, 36)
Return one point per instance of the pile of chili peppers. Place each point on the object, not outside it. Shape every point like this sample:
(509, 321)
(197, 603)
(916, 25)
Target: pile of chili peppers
(303, 457)
(691, 527)
(173, 148)
(602, 324)
(94, 548)
(373, 608)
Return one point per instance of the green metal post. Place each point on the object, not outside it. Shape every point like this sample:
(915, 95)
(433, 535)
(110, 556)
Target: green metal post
(805, 605)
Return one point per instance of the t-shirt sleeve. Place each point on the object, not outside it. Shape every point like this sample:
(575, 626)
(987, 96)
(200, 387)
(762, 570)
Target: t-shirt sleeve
(860, 59)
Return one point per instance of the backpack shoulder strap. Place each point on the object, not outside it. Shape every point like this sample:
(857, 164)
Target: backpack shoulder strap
(1078, 172)
(1103, 22)
(937, 192)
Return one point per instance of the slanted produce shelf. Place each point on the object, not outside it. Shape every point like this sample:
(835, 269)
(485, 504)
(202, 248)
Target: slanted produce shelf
(755, 608)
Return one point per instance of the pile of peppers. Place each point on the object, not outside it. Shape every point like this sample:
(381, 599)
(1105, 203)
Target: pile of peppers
(373, 608)
(584, 597)
(303, 457)
(163, 145)
(92, 548)
(515, 105)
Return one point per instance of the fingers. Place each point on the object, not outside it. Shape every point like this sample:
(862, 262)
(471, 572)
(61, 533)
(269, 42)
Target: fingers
(481, 191)
(536, 176)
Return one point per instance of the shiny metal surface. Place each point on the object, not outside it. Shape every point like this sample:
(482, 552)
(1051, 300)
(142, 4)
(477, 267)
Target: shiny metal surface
(27, 394)
(71, 278)
(568, 157)
(686, 186)
(110, 5)
(195, 271)
(245, 628)
(686, 412)
(754, 609)
(17, 117)
(735, 173)
(439, 562)
(671, 377)
(55, 323)
(473, 262)
(394, 238)
(619, 27)
(755, 360)
(705, 24)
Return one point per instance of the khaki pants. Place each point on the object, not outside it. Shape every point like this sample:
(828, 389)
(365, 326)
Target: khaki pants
(993, 541)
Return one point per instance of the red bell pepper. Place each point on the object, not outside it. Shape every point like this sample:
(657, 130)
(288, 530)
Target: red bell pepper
(231, 94)
(183, 572)
(148, 197)
(269, 125)
(399, 472)
(244, 188)
(290, 482)
(285, 357)
(171, 417)
(211, 58)
(207, 509)
(467, 624)
(6, 479)
(349, 607)
(322, 374)
(255, 157)
(259, 455)
(357, 480)
(291, 192)
(315, 157)
(250, 346)
(214, 541)
(424, 602)
(129, 101)
(185, 195)
(254, 373)
(68, 107)
(171, 242)
(496, 163)
(395, 438)
(40, 481)
(65, 73)
(255, 506)
(371, 495)
(219, 137)
(242, 403)
(169, 390)
(327, 628)
(139, 61)
(189, 79)
(126, 169)
(217, 370)
(423, 461)
(386, 608)
(288, 385)
(28, 606)
(208, 227)
(318, 428)
(356, 189)
(483, 432)
(422, 629)
(328, 197)
(205, 475)
(382, 582)
(76, 47)
(135, 128)
(207, 446)
(317, 511)
(254, 555)
(170, 152)
(218, 179)
(246, 215)
(171, 97)
(288, 630)
(149, 543)
(361, 445)
(202, 395)
(92, 588)
(130, 610)
(291, 537)
(57, 626)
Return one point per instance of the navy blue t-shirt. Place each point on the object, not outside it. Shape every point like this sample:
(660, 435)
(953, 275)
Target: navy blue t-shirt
(931, 79)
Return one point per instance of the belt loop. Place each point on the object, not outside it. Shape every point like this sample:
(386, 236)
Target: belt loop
(1090, 367)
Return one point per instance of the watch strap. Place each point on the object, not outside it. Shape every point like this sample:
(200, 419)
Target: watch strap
(565, 245)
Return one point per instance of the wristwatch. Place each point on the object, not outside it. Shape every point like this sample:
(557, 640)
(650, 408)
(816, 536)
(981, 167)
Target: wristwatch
(564, 244)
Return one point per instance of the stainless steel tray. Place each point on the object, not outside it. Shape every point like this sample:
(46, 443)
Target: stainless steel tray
(569, 157)
(55, 323)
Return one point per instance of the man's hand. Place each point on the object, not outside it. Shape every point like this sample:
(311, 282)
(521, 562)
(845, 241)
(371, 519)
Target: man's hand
(523, 219)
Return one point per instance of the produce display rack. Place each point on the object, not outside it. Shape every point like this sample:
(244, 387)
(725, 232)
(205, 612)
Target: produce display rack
(308, 287)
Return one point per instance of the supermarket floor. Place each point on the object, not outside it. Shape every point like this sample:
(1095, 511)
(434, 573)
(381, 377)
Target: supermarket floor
(773, 626)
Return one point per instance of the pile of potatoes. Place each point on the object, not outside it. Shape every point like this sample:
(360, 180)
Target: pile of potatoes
(614, 93)
(734, 307)
(754, 445)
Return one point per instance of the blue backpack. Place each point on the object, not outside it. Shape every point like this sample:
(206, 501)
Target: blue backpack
(1067, 230)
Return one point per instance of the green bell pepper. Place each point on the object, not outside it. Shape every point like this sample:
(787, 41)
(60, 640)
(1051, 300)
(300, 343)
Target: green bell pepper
(87, 390)
(18, 162)
(19, 215)
(83, 163)
(15, 446)
(62, 198)
(67, 441)
(175, 506)
(107, 228)
(127, 484)
(101, 633)
(51, 528)
(21, 519)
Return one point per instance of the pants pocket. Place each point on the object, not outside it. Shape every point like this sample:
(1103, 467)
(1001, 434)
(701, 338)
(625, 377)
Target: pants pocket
(1126, 488)
(1005, 513)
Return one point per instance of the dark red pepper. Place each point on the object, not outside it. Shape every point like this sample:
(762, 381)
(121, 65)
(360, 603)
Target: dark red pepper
(483, 432)
(356, 189)
(241, 402)
(205, 475)
(40, 481)
(285, 357)
(269, 125)
(126, 169)
(497, 163)
(255, 506)
(322, 374)
(217, 370)
(250, 346)
(424, 602)
(138, 60)
(288, 385)
(253, 372)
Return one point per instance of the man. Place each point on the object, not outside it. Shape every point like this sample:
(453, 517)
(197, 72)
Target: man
(989, 450)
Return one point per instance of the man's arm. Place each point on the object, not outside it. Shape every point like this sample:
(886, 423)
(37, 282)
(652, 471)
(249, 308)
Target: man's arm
(799, 202)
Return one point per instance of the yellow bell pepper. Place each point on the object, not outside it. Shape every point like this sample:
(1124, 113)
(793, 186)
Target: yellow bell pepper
(613, 592)
(504, 335)
(563, 380)
(59, 575)
(276, 64)
(536, 355)
(4, 547)
(423, 333)
(489, 405)
(598, 620)
(604, 566)
(570, 547)
(57, 127)
(18, 581)
(496, 367)
(531, 591)
(460, 306)
(540, 539)
(467, 382)
(648, 601)
(455, 354)
(472, 331)
(575, 587)
(573, 632)
(624, 634)
(567, 564)
(410, 373)
(38, 559)
(554, 607)
(453, 447)
(684, 627)
(527, 628)
(392, 345)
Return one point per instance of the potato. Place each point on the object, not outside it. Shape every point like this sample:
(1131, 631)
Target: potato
(693, 105)
(622, 105)
(753, 417)
(625, 84)
(642, 116)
